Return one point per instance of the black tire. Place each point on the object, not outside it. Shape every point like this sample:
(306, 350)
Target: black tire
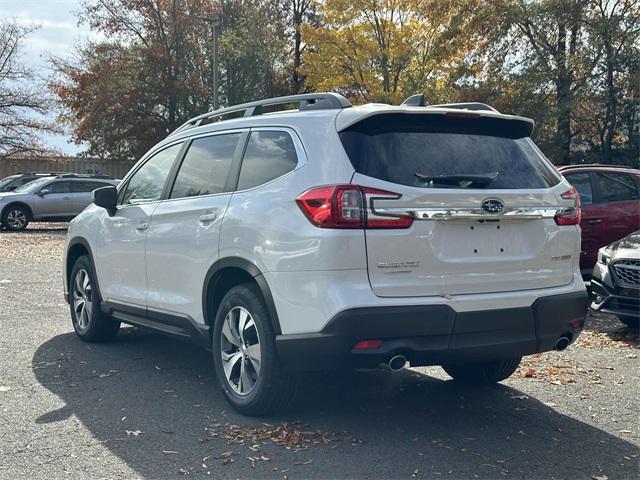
(15, 218)
(273, 389)
(90, 324)
(631, 322)
(483, 373)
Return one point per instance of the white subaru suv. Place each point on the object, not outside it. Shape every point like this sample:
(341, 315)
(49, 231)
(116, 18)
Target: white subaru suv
(330, 235)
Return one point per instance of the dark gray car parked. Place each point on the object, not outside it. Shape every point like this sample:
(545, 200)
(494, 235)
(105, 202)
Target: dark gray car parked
(49, 199)
(615, 283)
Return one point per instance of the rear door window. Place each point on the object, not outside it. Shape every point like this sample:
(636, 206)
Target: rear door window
(87, 186)
(269, 155)
(431, 151)
(206, 166)
(58, 187)
(616, 187)
(582, 182)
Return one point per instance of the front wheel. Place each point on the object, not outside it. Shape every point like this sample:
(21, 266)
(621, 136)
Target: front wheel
(483, 373)
(244, 355)
(89, 321)
(15, 218)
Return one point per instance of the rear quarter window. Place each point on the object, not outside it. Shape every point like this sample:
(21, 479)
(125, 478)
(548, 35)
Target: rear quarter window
(269, 155)
(431, 151)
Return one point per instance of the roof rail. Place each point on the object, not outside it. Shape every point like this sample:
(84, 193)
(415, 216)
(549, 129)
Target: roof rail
(466, 106)
(415, 101)
(37, 173)
(84, 175)
(306, 101)
(589, 165)
(420, 101)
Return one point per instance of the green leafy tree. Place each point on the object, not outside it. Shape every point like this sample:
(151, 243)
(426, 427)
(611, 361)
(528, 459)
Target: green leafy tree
(614, 26)
(253, 51)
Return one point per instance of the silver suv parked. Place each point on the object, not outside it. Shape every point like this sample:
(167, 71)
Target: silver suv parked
(10, 183)
(49, 199)
(333, 236)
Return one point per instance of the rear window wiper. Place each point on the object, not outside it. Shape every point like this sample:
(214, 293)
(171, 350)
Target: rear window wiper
(464, 180)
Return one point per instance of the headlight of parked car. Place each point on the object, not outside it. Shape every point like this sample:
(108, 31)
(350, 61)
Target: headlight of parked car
(604, 255)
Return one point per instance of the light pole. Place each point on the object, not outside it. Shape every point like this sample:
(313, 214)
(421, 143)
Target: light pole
(214, 64)
(215, 22)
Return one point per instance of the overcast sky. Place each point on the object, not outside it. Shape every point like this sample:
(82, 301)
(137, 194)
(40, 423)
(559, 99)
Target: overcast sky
(58, 33)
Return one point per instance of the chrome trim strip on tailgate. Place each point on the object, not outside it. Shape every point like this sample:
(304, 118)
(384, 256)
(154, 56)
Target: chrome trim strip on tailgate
(471, 213)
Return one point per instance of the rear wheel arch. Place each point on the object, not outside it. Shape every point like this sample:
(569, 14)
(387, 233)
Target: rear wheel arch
(227, 273)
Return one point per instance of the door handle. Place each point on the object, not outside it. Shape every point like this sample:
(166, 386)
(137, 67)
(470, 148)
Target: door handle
(594, 221)
(66, 198)
(207, 218)
(142, 226)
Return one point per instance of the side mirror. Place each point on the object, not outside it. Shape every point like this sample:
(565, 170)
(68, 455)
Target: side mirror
(43, 192)
(107, 198)
(11, 188)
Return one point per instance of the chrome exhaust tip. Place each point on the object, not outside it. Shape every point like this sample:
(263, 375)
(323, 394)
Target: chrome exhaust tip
(397, 363)
(562, 343)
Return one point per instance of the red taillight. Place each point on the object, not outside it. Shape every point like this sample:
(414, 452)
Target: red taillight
(571, 215)
(345, 206)
(367, 345)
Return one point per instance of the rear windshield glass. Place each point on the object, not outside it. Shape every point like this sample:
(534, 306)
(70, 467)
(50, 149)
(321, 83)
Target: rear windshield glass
(431, 151)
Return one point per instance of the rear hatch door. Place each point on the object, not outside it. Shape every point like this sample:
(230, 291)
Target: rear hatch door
(483, 199)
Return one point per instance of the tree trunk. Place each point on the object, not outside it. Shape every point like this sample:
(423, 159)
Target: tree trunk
(563, 98)
(297, 80)
(299, 10)
(612, 113)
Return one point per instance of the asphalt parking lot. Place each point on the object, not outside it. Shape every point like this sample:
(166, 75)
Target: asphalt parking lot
(146, 406)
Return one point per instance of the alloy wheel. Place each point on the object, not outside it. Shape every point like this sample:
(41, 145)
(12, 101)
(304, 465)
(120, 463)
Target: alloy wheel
(16, 219)
(82, 299)
(240, 350)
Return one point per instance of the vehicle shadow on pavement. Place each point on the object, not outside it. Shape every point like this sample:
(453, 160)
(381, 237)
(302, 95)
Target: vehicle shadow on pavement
(149, 400)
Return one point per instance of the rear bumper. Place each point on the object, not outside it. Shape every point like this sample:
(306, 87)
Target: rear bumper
(435, 334)
(624, 302)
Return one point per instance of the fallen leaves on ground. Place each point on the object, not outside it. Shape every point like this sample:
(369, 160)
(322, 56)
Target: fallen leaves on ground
(549, 368)
(623, 338)
(295, 437)
(292, 436)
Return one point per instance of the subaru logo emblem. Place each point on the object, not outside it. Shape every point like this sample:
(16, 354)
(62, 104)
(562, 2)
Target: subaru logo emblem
(492, 205)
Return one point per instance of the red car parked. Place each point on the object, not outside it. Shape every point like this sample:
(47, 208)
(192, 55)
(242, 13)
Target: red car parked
(610, 198)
